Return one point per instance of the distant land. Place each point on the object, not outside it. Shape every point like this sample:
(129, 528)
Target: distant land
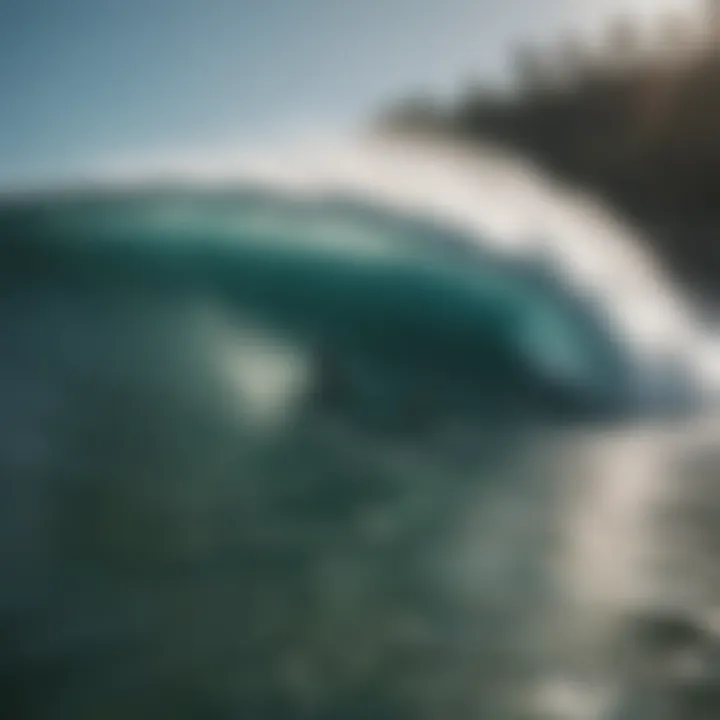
(638, 127)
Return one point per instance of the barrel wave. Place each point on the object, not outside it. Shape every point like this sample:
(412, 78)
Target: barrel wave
(380, 443)
(437, 318)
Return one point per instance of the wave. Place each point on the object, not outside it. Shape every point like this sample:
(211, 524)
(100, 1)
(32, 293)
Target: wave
(185, 529)
(455, 280)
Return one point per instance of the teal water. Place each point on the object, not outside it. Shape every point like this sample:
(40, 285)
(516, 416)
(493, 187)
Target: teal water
(264, 457)
(369, 288)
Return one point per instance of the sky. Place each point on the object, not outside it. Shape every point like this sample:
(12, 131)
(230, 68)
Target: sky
(86, 80)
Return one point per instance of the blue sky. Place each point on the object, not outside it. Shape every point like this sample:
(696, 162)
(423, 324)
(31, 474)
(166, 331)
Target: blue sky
(84, 79)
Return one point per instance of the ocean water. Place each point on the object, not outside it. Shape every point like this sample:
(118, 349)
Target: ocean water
(405, 438)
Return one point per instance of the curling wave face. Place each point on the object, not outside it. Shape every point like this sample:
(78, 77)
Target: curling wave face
(378, 278)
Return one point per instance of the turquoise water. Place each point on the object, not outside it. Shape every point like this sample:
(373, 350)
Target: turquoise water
(265, 457)
(366, 287)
